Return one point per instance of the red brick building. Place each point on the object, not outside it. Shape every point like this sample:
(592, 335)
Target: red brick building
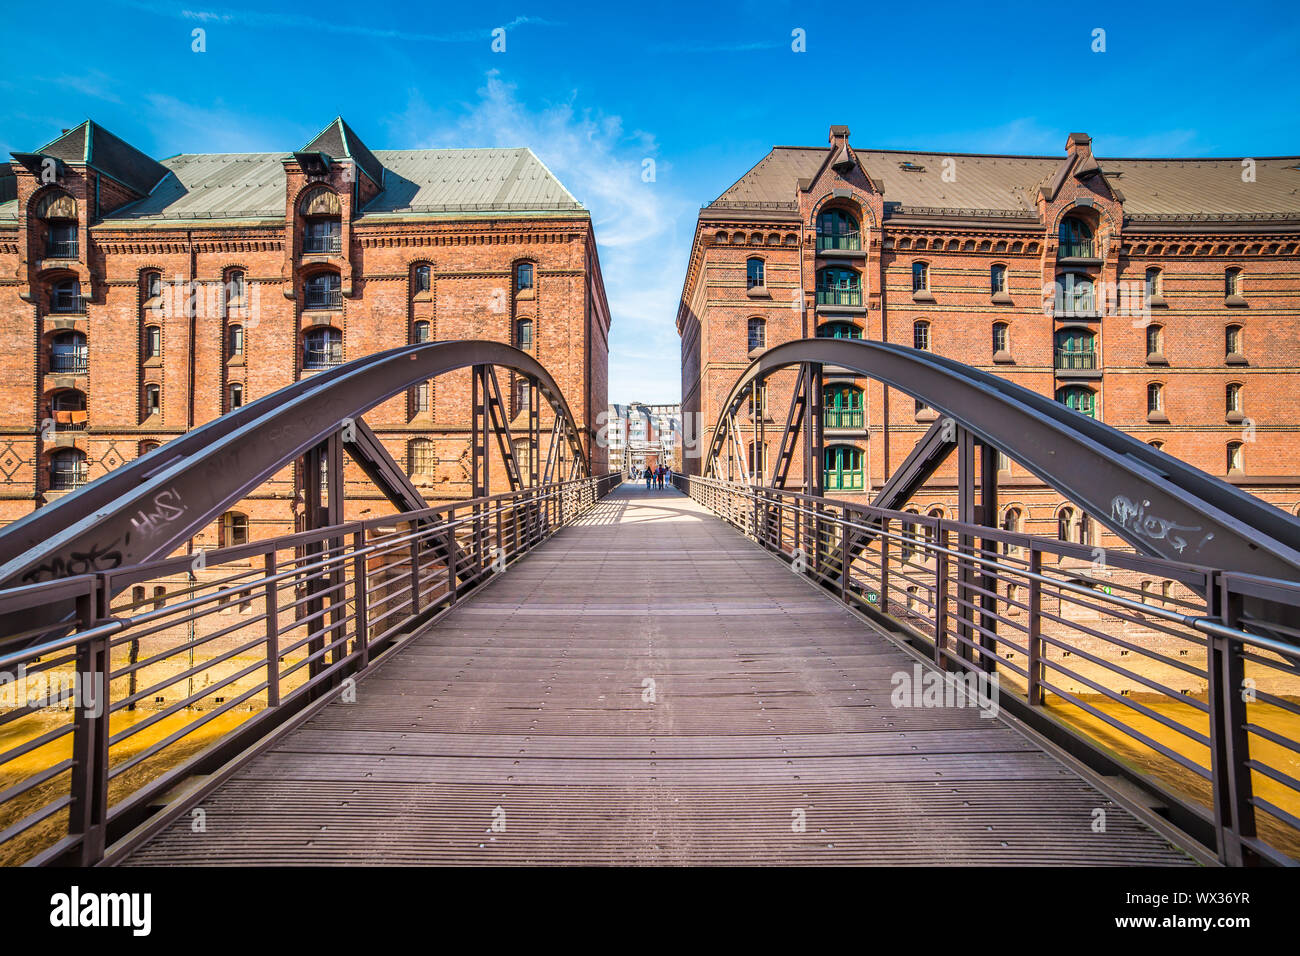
(1161, 296)
(142, 298)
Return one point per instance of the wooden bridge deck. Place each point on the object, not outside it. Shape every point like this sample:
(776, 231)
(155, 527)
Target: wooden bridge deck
(527, 705)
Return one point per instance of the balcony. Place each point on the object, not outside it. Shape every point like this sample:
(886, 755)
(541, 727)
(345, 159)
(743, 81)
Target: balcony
(833, 297)
(1076, 361)
(61, 249)
(73, 363)
(842, 418)
(322, 243)
(839, 241)
(314, 359)
(323, 299)
(842, 481)
(1075, 249)
(67, 480)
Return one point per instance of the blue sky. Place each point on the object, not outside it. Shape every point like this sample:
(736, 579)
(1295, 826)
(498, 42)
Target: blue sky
(702, 89)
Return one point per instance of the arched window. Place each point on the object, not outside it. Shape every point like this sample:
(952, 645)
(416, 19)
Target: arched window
(920, 276)
(524, 330)
(1152, 283)
(1075, 349)
(234, 529)
(838, 330)
(423, 278)
(907, 546)
(324, 290)
(420, 399)
(69, 410)
(1011, 522)
(754, 274)
(1155, 398)
(322, 222)
(1075, 239)
(147, 446)
(420, 458)
(1082, 400)
(1065, 524)
(152, 346)
(524, 276)
(757, 334)
(1232, 341)
(235, 341)
(1001, 345)
(153, 285)
(842, 406)
(1085, 528)
(236, 395)
(836, 286)
(65, 297)
(921, 335)
(69, 354)
(67, 469)
(152, 399)
(322, 348)
(1157, 444)
(998, 279)
(1231, 283)
(1232, 394)
(420, 332)
(1155, 341)
(837, 229)
(1074, 294)
(1235, 462)
(523, 395)
(843, 468)
(234, 290)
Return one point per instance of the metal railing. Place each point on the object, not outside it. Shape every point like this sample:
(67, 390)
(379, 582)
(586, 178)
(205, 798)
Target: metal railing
(75, 363)
(61, 248)
(839, 297)
(170, 669)
(842, 418)
(323, 298)
(1075, 249)
(1076, 360)
(327, 242)
(1141, 667)
(841, 240)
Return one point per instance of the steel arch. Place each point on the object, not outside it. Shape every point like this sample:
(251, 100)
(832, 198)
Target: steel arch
(1157, 503)
(146, 508)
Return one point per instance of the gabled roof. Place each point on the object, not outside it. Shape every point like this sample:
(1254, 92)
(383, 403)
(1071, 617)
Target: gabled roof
(338, 141)
(1006, 186)
(95, 146)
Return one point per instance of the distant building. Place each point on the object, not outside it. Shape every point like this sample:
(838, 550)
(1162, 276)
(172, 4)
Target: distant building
(640, 435)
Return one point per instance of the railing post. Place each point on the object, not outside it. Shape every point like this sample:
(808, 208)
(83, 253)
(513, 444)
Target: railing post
(1034, 681)
(451, 565)
(415, 576)
(88, 806)
(361, 598)
(940, 595)
(844, 556)
(884, 564)
(272, 602)
(1234, 811)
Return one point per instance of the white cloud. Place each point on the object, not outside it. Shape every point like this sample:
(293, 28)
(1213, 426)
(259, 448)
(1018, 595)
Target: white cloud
(643, 229)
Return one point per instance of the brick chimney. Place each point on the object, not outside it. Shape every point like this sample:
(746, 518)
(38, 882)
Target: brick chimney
(1079, 144)
(839, 140)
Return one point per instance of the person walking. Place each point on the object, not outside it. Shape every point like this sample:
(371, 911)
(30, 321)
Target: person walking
(649, 479)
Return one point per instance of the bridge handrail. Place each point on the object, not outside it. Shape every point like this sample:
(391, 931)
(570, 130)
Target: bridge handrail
(948, 589)
(229, 651)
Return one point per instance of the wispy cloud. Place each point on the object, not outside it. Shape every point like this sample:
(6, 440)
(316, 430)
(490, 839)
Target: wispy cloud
(643, 229)
(295, 22)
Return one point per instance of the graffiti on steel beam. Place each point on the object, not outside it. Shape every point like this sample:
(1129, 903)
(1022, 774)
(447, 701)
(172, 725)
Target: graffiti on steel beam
(1135, 518)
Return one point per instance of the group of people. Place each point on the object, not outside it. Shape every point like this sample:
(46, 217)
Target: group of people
(657, 476)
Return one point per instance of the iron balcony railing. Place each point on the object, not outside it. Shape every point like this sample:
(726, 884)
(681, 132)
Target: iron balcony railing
(326, 242)
(324, 299)
(1075, 249)
(839, 297)
(61, 248)
(841, 240)
(68, 305)
(1149, 666)
(1076, 360)
(75, 363)
(67, 480)
(842, 418)
(842, 480)
(190, 666)
(324, 357)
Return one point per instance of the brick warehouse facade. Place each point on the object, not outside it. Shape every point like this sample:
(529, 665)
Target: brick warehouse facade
(1161, 296)
(298, 261)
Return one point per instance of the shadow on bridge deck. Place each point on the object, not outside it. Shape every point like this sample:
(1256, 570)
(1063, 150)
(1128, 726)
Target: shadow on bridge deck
(531, 707)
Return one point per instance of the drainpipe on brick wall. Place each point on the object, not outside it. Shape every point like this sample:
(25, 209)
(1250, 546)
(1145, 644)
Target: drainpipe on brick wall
(192, 309)
(884, 394)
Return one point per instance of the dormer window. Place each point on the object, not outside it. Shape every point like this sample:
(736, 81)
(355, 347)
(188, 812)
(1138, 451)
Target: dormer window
(524, 276)
(1075, 239)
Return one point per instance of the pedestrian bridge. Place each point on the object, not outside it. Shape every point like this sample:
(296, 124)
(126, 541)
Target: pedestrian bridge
(581, 671)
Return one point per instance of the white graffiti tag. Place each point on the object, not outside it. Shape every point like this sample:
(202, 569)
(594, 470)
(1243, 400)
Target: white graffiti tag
(1134, 517)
